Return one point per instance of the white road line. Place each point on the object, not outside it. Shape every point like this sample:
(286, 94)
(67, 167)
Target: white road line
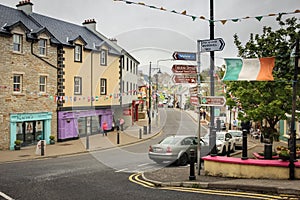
(144, 164)
(121, 170)
(5, 196)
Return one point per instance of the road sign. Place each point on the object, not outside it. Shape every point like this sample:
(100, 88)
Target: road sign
(212, 45)
(184, 69)
(181, 78)
(194, 100)
(213, 101)
(184, 56)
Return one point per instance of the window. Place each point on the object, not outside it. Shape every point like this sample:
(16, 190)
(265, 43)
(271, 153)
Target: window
(103, 86)
(18, 83)
(42, 46)
(17, 43)
(43, 82)
(77, 85)
(78, 53)
(103, 58)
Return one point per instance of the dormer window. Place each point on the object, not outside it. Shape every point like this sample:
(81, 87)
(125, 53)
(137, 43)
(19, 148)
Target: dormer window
(103, 57)
(42, 47)
(17, 43)
(78, 53)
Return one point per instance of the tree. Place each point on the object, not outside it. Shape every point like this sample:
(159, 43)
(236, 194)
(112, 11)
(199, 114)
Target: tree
(271, 100)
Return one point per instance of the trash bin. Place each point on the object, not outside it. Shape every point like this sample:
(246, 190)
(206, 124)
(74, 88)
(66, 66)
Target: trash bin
(268, 151)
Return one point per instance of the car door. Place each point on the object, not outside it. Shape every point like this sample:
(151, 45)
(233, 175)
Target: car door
(229, 141)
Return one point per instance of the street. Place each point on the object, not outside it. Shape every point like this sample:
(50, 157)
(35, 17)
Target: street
(100, 174)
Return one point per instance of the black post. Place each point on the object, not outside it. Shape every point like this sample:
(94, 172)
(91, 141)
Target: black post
(140, 136)
(192, 165)
(118, 137)
(228, 152)
(244, 152)
(294, 98)
(42, 148)
(230, 118)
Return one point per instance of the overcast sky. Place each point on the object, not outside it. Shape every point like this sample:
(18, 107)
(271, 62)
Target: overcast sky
(151, 34)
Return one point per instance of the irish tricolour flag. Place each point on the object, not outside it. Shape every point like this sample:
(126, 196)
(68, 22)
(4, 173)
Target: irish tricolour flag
(253, 69)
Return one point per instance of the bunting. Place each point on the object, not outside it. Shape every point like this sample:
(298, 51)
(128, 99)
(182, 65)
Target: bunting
(222, 21)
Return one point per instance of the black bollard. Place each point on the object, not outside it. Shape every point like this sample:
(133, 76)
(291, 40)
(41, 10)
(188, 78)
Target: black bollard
(42, 148)
(192, 165)
(244, 152)
(228, 152)
(140, 133)
(118, 137)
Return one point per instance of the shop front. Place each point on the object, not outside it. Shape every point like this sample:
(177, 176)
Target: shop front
(29, 128)
(76, 124)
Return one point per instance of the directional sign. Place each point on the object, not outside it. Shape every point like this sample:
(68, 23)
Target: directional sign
(184, 56)
(193, 91)
(213, 101)
(194, 100)
(184, 69)
(212, 45)
(180, 78)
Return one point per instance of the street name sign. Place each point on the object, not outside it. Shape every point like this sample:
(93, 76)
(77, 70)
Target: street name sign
(213, 101)
(181, 78)
(184, 69)
(184, 56)
(212, 45)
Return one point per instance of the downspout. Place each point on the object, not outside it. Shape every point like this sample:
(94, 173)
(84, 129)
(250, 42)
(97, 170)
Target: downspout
(40, 57)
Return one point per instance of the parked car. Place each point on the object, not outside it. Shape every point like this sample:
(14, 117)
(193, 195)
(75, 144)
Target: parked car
(176, 149)
(223, 139)
(237, 136)
(170, 105)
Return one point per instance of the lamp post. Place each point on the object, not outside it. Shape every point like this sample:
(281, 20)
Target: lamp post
(150, 95)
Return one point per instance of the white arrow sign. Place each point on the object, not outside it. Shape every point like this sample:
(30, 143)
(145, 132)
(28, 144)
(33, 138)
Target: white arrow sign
(212, 45)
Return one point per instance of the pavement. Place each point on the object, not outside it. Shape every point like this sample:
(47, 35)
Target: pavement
(167, 176)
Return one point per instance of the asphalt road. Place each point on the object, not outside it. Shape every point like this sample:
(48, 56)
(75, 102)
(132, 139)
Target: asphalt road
(98, 175)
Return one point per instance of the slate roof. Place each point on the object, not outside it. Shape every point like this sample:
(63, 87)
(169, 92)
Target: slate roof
(10, 16)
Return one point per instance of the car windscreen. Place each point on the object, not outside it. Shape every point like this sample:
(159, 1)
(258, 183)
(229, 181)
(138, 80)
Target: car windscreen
(236, 134)
(220, 136)
(170, 140)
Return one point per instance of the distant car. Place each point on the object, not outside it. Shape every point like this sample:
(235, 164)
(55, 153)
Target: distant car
(223, 125)
(160, 104)
(170, 105)
(176, 149)
(165, 101)
(237, 136)
(223, 139)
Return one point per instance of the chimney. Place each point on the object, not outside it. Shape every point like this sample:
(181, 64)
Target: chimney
(114, 40)
(25, 6)
(90, 24)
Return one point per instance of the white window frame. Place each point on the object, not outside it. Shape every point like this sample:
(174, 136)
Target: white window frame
(77, 85)
(78, 53)
(43, 84)
(103, 57)
(17, 42)
(17, 84)
(42, 43)
(103, 86)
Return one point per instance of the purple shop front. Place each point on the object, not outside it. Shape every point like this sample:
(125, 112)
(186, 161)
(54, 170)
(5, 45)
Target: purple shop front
(76, 124)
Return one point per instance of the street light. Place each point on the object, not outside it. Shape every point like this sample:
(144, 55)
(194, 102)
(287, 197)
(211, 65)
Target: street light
(149, 94)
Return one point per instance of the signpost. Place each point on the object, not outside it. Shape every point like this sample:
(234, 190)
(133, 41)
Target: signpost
(212, 45)
(184, 69)
(181, 78)
(213, 101)
(184, 56)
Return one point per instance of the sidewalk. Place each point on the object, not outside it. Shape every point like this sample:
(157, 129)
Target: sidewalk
(96, 142)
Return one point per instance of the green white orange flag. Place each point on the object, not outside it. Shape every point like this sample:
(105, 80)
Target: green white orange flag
(253, 69)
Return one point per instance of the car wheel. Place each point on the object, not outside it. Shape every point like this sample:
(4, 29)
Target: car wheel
(158, 161)
(183, 160)
(224, 151)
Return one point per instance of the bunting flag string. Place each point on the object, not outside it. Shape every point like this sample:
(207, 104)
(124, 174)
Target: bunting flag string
(222, 21)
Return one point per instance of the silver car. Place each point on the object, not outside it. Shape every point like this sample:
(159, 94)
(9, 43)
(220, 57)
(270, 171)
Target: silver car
(176, 149)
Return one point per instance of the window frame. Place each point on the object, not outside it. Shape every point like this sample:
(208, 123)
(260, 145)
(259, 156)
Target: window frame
(18, 84)
(78, 53)
(77, 87)
(17, 45)
(103, 57)
(42, 47)
(44, 85)
(103, 86)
